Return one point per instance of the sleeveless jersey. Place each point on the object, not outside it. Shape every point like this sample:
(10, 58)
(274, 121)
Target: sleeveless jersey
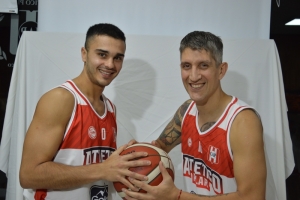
(88, 139)
(207, 156)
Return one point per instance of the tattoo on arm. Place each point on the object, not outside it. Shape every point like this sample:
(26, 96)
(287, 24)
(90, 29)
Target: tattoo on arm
(206, 126)
(172, 133)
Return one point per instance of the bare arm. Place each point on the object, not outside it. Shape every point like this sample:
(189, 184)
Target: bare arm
(43, 138)
(249, 162)
(171, 135)
(246, 141)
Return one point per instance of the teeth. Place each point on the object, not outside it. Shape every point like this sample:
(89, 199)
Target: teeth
(104, 72)
(196, 86)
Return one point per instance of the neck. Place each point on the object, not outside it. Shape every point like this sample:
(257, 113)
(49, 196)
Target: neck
(92, 91)
(213, 108)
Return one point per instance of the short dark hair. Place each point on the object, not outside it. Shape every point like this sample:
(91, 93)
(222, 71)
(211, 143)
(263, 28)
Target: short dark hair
(104, 29)
(198, 40)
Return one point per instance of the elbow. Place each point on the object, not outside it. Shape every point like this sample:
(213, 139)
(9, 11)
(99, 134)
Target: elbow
(257, 194)
(23, 182)
(24, 179)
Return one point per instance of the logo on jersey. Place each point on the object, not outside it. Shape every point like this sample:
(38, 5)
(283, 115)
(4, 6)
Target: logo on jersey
(201, 175)
(99, 192)
(189, 142)
(92, 132)
(213, 154)
(200, 148)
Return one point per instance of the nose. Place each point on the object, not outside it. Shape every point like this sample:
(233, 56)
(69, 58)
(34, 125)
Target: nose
(109, 63)
(195, 74)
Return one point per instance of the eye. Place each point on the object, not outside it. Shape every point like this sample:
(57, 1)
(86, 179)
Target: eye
(119, 58)
(185, 66)
(204, 65)
(102, 55)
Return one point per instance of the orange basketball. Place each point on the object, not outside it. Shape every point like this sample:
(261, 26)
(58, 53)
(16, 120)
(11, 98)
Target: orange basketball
(155, 155)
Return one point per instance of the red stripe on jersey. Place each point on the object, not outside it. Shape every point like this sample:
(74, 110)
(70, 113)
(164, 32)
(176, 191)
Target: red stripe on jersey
(78, 92)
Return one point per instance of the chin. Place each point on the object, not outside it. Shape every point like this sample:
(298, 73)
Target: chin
(105, 82)
(198, 99)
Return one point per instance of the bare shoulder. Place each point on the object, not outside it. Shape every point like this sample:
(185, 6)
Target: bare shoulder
(50, 119)
(57, 98)
(246, 130)
(54, 107)
(57, 95)
(178, 117)
(248, 117)
(183, 108)
(171, 135)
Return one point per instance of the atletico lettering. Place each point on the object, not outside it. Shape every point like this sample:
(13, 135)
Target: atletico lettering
(96, 154)
(201, 175)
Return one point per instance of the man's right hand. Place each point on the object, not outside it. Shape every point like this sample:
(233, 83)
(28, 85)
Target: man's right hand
(117, 167)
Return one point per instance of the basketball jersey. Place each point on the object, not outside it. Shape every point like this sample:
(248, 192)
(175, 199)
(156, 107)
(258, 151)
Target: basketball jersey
(207, 156)
(89, 138)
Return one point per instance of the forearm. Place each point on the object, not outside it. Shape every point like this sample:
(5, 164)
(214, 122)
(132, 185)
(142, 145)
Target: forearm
(51, 175)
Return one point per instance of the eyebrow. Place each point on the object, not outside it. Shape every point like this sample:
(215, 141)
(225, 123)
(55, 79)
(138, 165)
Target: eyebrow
(105, 51)
(184, 63)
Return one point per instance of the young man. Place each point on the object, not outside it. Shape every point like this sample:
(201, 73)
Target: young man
(70, 147)
(221, 136)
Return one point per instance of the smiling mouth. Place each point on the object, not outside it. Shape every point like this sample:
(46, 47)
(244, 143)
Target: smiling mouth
(196, 85)
(105, 72)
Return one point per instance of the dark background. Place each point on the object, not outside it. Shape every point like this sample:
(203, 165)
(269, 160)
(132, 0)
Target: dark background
(11, 29)
(287, 39)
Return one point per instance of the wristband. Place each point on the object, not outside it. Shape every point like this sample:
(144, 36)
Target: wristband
(179, 194)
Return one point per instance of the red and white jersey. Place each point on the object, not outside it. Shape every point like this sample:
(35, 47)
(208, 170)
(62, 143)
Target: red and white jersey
(89, 138)
(207, 156)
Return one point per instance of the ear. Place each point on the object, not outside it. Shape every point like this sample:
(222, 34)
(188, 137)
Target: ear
(223, 69)
(83, 54)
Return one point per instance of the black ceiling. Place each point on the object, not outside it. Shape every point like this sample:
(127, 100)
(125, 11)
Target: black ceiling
(287, 11)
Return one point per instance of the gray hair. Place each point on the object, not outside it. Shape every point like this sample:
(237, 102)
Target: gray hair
(199, 40)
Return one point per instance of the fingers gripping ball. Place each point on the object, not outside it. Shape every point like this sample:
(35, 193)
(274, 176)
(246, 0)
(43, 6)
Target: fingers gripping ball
(155, 155)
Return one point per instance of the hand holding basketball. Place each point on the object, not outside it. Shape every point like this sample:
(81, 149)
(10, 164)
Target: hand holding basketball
(116, 167)
(166, 190)
(156, 156)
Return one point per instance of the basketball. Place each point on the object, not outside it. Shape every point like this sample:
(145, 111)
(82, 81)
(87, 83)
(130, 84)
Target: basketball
(155, 155)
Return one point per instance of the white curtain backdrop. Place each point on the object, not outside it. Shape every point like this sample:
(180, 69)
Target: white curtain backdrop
(147, 93)
(8, 6)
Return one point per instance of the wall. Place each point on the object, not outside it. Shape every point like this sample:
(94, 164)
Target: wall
(230, 18)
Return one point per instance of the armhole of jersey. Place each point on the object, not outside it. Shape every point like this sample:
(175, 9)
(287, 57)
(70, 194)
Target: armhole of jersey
(112, 106)
(241, 108)
(73, 112)
(115, 111)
